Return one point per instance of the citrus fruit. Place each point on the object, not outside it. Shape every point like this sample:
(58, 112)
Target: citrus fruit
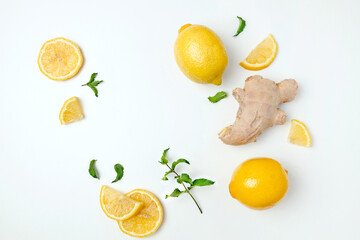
(200, 54)
(259, 183)
(262, 56)
(60, 59)
(148, 220)
(299, 134)
(116, 205)
(71, 111)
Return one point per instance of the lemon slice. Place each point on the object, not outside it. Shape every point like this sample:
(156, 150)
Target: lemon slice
(60, 59)
(148, 220)
(71, 111)
(116, 205)
(299, 134)
(262, 56)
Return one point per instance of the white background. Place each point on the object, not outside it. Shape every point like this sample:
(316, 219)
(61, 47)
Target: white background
(146, 105)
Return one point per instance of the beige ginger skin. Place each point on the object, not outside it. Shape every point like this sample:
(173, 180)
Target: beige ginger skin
(258, 109)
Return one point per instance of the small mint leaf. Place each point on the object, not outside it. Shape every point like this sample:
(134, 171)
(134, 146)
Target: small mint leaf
(92, 170)
(185, 178)
(218, 96)
(164, 161)
(241, 26)
(94, 89)
(165, 175)
(202, 182)
(92, 78)
(119, 169)
(175, 193)
(181, 160)
(95, 83)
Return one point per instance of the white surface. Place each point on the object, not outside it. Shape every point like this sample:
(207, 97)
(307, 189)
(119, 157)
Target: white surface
(146, 105)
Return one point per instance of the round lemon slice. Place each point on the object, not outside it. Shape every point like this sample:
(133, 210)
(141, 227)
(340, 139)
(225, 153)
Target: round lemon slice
(60, 59)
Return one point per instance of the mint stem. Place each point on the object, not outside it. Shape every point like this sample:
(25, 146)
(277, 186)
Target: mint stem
(186, 189)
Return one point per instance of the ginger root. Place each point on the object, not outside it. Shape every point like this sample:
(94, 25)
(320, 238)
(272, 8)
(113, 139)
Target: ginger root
(258, 109)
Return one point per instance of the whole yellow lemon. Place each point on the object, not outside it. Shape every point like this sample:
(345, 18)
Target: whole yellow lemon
(200, 54)
(259, 183)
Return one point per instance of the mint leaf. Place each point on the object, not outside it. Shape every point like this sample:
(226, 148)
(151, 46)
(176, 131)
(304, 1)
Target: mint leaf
(119, 169)
(92, 83)
(185, 178)
(92, 170)
(94, 89)
(95, 83)
(241, 26)
(92, 78)
(181, 160)
(218, 96)
(163, 158)
(175, 193)
(202, 182)
(165, 175)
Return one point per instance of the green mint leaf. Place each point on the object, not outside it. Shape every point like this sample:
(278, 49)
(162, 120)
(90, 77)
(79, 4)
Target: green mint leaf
(181, 160)
(92, 83)
(163, 158)
(241, 26)
(175, 193)
(165, 176)
(92, 78)
(119, 169)
(185, 178)
(94, 89)
(202, 182)
(92, 170)
(95, 83)
(218, 96)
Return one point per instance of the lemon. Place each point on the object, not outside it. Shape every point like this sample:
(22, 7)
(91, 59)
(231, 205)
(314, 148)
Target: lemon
(71, 111)
(259, 183)
(299, 134)
(116, 205)
(262, 56)
(200, 54)
(148, 220)
(60, 59)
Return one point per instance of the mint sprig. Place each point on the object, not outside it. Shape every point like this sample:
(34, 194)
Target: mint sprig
(184, 179)
(93, 84)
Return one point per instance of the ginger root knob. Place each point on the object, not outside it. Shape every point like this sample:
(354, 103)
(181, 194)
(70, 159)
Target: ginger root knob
(258, 109)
